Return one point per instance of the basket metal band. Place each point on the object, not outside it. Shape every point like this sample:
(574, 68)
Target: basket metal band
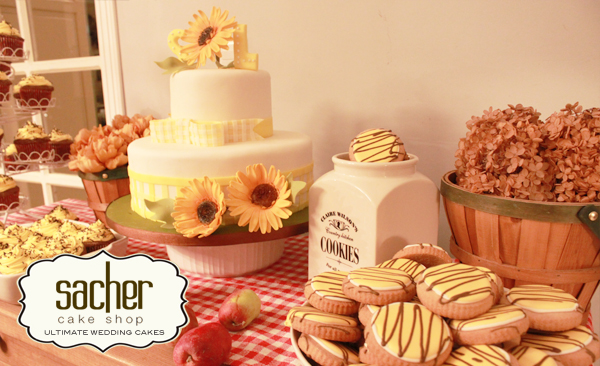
(528, 210)
(541, 276)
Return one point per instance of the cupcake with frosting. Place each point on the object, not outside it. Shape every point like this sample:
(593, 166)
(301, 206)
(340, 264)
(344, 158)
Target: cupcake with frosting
(61, 243)
(5, 84)
(71, 229)
(31, 139)
(9, 191)
(11, 42)
(62, 213)
(60, 142)
(17, 231)
(14, 260)
(96, 236)
(10, 155)
(47, 226)
(34, 91)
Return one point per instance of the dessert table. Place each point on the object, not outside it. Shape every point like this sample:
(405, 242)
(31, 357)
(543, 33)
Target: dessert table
(265, 342)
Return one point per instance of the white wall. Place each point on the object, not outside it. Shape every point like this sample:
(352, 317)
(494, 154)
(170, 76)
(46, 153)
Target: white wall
(420, 68)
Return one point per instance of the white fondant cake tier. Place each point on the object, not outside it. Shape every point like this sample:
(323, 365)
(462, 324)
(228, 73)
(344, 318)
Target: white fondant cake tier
(221, 94)
(157, 171)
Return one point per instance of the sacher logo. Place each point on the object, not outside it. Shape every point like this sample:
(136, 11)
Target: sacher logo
(102, 301)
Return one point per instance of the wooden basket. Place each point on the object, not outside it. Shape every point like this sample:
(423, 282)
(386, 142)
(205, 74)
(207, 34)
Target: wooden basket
(104, 187)
(525, 241)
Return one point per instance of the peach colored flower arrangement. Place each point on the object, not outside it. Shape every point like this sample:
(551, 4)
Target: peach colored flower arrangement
(513, 153)
(105, 147)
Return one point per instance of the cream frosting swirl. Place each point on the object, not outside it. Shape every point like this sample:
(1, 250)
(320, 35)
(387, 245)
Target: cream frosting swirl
(30, 131)
(6, 183)
(34, 80)
(96, 232)
(57, 135)
(8, 30)
(11, 150)
(17, 231)
(62, 213)
(47, 226)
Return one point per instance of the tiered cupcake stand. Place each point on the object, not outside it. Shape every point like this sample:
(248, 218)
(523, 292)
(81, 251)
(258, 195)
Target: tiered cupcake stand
(13, 111)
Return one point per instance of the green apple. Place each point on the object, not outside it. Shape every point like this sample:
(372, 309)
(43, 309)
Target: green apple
(239, 309)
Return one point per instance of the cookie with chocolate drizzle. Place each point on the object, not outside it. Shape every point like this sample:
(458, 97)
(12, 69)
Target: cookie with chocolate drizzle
(327, 353)
(427, 254)
(379, 286)
(455, 290)
(324, 292)
(529, 356)
(377, 145)
(332, 327)
(481, 355)
(407, 334)
(500, 324)
(548, 308)
(575, 347)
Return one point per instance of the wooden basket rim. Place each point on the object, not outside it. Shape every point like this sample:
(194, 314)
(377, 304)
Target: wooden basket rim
(511, 207)
(541, 276)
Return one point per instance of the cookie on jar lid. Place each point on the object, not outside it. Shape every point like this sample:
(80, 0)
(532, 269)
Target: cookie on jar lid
(324, 292)
(377, 145)
(575, 347)
(548, 308)
(427, 254)
(379, 286)
(455, 290)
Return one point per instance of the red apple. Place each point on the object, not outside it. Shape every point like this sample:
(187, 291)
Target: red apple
(239, 309)
(192, 323)
(206, 345)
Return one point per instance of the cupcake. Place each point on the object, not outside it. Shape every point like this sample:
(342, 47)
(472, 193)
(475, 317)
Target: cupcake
(61, 243)
(31, 141)
(10, 154)
(5, 68)
(34, 91)
(5, 84)
(18, 232)
(62, 213)
(47, 226)
(9, 191)
(61, 144)
(11, 42)
(71, 229)
(96, 236)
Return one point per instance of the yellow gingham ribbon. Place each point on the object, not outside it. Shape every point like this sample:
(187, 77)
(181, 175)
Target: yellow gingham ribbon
(210, 133)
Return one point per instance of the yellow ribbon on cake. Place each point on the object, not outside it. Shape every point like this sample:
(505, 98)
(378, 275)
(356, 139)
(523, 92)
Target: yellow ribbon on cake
(209, 133)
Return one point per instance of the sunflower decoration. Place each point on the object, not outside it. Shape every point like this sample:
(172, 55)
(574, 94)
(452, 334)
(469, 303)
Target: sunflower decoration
(260, 198)
(198, 211)
(207, 37)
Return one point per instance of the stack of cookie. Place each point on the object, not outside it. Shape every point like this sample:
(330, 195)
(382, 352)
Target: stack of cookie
(421, 308)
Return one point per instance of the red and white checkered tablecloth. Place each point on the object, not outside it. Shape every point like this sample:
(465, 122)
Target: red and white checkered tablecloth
(266, 341)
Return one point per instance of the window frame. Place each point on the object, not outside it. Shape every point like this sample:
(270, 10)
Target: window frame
(109, 64)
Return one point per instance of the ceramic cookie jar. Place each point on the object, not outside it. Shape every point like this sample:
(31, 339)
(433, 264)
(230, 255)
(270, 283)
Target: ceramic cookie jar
(363, 212)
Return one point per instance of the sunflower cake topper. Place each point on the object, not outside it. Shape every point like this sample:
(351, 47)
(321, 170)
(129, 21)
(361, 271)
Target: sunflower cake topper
(205, 39)
(198, 211)
(260, 198)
